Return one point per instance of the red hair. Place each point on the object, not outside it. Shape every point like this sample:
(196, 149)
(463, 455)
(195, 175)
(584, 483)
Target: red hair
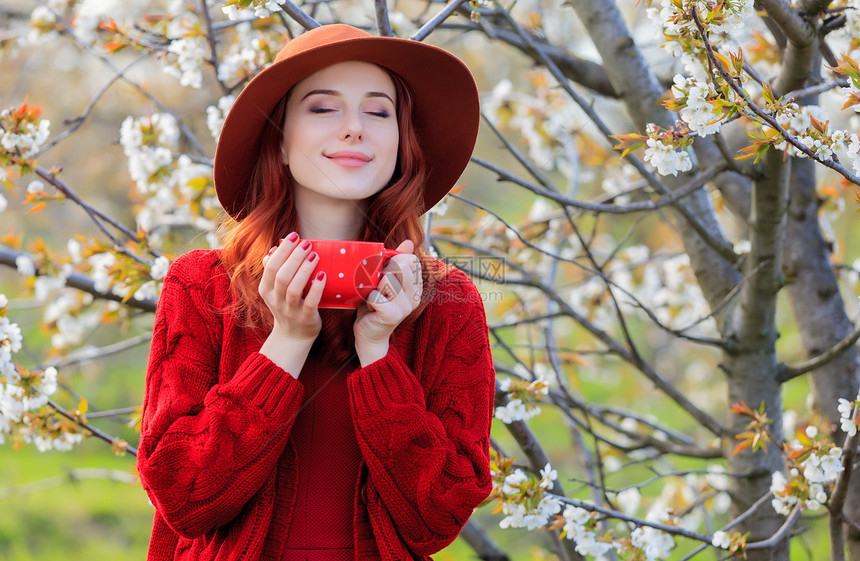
(392, 216)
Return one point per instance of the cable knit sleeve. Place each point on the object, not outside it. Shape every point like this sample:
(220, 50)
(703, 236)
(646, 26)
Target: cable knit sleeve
(425, 435)
(209, 439)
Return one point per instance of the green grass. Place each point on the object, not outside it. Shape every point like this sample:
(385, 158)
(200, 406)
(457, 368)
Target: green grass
(74, 520)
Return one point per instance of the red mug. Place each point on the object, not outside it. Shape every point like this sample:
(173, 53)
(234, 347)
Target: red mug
(352, 269)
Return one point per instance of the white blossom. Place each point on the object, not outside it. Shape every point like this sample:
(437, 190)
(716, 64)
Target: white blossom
(245, 55)
(101, 275)
(73, 246)
(29, 140)
(3, 203)
(215, 115)
(262, 11)
(666, 159)
(72, 330)
(517, 515)
(811, 431)
(844, 407)
(515, 410)
(653, 543)
(147, 291)
(629, 500)
(147, 162)
(721, 540)
(848, 426)
(518, 477)
(159, 268)
(25, 266)
(89, 13)
(854, 152)
(11, 405)
(66, 441)
(547, 476)
(189, 56)
(823, 468)
(702, 117)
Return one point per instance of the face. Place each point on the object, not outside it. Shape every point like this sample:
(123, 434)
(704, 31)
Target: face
(340, 134)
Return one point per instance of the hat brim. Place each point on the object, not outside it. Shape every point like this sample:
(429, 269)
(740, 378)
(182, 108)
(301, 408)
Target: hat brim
(446, 110)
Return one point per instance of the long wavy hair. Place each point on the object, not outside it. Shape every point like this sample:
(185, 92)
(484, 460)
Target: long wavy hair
(392, 216)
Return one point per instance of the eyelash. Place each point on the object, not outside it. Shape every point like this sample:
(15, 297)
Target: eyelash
(321, 110)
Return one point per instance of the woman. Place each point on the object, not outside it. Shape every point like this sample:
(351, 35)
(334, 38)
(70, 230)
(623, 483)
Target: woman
(273, 429)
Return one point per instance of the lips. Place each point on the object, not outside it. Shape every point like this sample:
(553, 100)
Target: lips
(349, 158)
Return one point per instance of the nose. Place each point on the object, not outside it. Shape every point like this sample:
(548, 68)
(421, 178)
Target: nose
(353, 127)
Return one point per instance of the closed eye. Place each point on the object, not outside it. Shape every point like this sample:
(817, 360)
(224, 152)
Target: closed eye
(381, 114)
(320, 110)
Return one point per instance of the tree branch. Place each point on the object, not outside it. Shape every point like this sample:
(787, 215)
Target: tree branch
(383, 25)
(717, 244)
(72, 476)
(79, 120)
(96, 215)
(213, 45)
(75, 280)
(586, 73)
(98, 433)
(88, 354)
(796, 29)
(787, 373)
(436, 20)
(299, 15)
(481, 542)
(529, 279)
(766, 117)
(780, 535)
(837, 498)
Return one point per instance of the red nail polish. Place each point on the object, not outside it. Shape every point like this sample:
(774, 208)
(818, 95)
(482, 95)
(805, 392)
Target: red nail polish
(293, 237)
(320, 275)
(312, 256)
(271, 251)
(305, 244)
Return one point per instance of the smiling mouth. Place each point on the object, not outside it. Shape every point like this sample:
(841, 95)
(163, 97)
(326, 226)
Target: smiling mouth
(349, 159)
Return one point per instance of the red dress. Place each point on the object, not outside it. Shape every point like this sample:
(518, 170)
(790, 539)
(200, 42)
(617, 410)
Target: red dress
(220, 464)
(329, 459)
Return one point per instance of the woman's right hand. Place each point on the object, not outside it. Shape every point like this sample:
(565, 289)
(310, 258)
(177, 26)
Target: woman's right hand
(286, 271)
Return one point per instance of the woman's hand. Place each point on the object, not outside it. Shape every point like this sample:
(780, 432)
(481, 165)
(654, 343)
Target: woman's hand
(286, 271)
(398, 294)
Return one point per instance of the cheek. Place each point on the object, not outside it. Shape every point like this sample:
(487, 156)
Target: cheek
(392, 146)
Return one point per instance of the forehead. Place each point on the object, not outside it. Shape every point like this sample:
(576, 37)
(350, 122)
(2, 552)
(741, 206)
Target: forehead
(353, 76)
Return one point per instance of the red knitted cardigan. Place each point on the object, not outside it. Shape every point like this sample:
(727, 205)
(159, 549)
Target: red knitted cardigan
(215, 456)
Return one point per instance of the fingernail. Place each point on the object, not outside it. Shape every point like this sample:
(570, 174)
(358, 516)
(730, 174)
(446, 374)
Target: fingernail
(312, 256)
(305, 244)
(320, 275)
(272, 250)
(293, 237)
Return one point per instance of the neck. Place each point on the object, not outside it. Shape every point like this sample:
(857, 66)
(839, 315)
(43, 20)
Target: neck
(323, 218)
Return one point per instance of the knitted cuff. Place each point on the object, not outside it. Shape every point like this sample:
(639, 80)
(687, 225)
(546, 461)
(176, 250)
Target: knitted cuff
(262, 384)
(382, 383)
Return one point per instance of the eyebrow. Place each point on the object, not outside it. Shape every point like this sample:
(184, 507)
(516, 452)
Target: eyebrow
(338, 94)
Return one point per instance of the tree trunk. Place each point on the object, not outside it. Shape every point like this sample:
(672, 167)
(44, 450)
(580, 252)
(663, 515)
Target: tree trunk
(752, 366)
(641, 91)
(821, 317)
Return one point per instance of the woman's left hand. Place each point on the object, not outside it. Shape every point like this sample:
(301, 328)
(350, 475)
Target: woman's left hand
(398, 294)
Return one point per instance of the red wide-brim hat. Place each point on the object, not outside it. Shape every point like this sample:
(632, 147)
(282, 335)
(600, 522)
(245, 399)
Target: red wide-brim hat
(446, 111)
